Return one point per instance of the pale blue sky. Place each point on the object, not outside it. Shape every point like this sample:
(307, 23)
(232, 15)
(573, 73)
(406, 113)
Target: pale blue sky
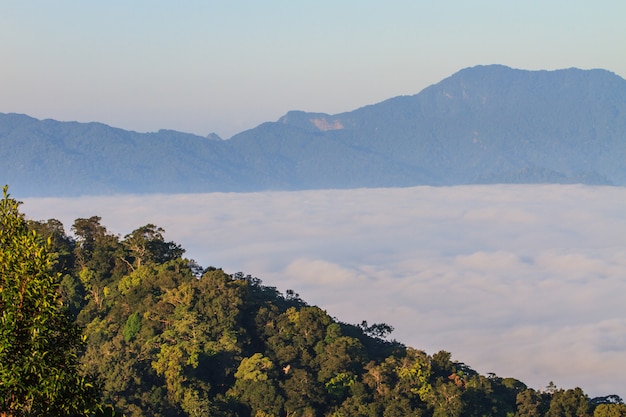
(226, 66)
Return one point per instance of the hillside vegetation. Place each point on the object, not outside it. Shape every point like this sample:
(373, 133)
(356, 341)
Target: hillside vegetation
(166, 337)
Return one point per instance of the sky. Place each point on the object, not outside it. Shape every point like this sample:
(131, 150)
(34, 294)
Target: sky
(203, 66)
(526, 281)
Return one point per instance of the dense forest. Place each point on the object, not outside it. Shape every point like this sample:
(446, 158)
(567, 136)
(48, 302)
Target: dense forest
(163, 336)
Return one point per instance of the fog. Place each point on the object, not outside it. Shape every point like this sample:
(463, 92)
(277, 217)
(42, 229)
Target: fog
(523, 281)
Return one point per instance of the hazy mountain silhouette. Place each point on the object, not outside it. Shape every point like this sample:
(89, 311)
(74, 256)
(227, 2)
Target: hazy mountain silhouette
(485, 124)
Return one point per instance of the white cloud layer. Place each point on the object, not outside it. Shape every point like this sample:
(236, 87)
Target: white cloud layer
(523, 281)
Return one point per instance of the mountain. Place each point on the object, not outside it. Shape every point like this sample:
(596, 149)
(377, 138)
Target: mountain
(485, 124)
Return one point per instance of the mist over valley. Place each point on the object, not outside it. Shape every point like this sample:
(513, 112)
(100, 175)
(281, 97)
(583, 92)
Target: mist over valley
(521, 280)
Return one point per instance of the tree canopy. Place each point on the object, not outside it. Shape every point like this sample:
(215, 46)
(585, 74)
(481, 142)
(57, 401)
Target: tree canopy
(40, 372)
(166, 337)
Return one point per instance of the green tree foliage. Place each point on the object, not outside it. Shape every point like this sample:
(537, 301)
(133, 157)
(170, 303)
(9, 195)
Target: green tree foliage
(531, 403)
(39, 344)
(168, 338)
(132, 327)
(255, 385)
(147, 244)
(569, 403)
(62, 246)
(610, 410)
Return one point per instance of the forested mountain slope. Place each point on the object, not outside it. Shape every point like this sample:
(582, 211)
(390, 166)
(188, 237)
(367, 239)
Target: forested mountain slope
(486, 124)
(169, 338)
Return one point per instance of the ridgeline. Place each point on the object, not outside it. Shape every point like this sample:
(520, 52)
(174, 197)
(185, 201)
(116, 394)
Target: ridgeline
(482, 125)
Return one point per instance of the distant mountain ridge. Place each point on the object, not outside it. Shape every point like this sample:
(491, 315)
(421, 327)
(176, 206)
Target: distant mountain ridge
(484, 124)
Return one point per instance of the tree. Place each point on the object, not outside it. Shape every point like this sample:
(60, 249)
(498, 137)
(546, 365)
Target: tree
(98, 262)
(39, 344)
(376, 330)
(148, 244)
(303, 393)
(610, 410)
(569, 403)
(62, 245)
(88, 231)
(255, 386)
(531, 403)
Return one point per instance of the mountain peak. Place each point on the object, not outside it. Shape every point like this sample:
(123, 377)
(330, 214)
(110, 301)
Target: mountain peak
(498, 72)
(311, 121)
(483, 124)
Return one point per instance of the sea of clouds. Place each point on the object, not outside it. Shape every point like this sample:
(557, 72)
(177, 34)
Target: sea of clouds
(526, 281)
